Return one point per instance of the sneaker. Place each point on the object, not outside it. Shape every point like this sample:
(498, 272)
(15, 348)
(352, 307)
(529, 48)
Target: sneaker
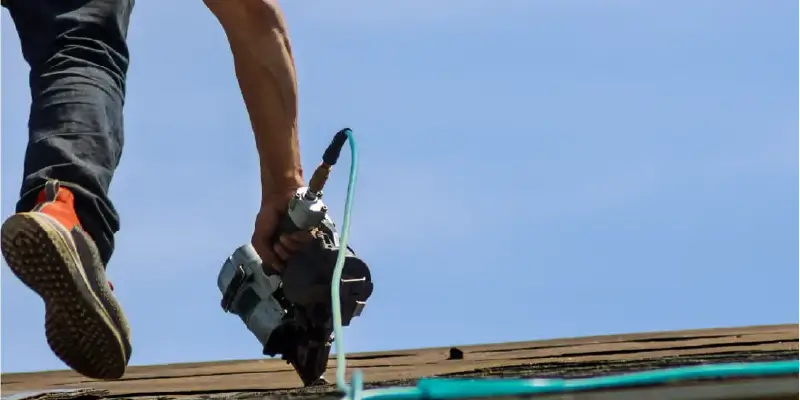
(49, 251)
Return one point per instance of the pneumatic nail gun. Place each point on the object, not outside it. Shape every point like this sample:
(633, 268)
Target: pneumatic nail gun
(290, 313)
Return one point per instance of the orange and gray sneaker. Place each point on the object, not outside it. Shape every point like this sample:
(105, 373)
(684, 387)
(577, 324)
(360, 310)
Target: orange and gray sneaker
(50, 252)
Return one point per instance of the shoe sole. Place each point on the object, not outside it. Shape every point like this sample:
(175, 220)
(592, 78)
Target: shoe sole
(78, 327)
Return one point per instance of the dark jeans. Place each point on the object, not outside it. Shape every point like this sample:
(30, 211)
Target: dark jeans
(78, 56)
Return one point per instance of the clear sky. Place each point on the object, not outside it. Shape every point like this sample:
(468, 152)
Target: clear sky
(529, 170)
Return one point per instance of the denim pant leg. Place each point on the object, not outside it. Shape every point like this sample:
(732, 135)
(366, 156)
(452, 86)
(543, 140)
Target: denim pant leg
(78, 55)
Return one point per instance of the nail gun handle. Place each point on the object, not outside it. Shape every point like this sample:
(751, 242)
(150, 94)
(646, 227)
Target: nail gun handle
(285, 225)
(303, 212)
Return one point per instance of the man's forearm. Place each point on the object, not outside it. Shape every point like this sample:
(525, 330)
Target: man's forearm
(262, 56)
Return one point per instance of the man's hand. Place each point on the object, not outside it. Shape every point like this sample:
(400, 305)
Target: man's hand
(274, 255)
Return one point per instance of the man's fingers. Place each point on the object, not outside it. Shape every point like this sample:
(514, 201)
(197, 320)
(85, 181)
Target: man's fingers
(295, 241)
(275, 255)
(268, 257)
(301, 236)
(276, 266)
(290, 244)
(281, 251)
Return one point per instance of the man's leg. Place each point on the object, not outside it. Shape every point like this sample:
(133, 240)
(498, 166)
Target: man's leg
(61, 238)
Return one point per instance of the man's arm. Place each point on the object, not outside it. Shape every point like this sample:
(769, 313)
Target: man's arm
(262, 56)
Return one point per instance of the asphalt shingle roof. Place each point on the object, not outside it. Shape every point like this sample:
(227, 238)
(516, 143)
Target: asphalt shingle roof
(567, 358)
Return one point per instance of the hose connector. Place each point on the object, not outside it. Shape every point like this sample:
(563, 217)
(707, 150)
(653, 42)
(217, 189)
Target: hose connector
(329, 159)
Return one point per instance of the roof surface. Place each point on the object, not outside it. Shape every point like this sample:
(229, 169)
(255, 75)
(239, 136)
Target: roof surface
(567, 358)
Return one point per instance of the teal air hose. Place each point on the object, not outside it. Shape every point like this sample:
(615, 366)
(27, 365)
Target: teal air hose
(448, 388)
(341, 362)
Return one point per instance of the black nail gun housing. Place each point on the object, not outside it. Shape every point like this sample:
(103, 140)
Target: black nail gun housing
(304, 338)
(307, 284)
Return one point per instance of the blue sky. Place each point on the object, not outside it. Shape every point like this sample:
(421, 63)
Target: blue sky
(529, 170)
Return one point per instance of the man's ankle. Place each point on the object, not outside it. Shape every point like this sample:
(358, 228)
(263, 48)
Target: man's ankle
(58, 202)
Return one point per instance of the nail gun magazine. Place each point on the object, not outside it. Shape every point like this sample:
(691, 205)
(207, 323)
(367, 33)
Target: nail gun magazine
(291, 313)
